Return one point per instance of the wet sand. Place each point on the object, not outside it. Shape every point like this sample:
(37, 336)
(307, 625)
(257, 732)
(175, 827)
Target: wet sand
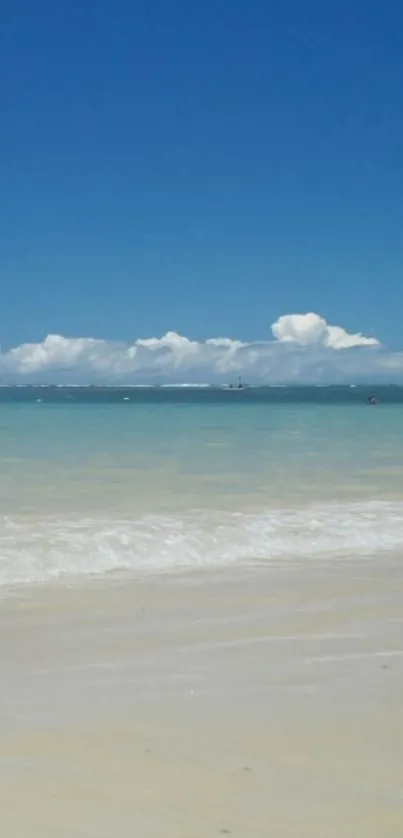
(261, 702)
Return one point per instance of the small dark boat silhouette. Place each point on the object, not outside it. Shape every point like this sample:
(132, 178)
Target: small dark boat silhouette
(239, 386)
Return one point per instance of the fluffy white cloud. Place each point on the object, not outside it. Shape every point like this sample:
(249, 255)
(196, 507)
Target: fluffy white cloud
(311, 329)
(304, 348)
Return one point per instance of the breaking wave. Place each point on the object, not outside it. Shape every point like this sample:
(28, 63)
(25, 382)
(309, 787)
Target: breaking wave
(50, 549)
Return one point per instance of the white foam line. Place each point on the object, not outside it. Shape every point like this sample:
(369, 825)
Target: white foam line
(396, 653)
(249, 641)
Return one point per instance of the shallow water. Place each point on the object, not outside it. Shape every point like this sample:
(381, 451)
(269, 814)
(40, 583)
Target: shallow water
(94, 481)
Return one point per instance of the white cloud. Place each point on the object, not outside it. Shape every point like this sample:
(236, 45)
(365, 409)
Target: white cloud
(304, 348)
(311, 329)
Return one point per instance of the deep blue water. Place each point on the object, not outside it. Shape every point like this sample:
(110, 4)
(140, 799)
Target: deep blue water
(332, 395)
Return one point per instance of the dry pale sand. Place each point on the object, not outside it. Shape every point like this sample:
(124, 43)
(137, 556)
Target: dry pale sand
(260, 703)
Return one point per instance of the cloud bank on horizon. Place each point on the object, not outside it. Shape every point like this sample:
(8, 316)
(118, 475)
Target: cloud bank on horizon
(304, 348)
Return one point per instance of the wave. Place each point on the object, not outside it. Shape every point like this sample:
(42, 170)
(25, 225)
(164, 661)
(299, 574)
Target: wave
(50, 549)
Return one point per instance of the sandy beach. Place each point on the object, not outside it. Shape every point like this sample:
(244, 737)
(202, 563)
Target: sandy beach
(251, 702)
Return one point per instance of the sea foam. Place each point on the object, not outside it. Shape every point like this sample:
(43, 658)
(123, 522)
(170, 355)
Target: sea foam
(41, 550)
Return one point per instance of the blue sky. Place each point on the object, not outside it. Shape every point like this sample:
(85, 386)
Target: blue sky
(200, 167)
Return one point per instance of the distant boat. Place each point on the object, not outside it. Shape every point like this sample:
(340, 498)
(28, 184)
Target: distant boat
(235, 387)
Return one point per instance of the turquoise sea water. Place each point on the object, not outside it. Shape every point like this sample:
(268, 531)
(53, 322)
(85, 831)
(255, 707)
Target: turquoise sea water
(98, 480)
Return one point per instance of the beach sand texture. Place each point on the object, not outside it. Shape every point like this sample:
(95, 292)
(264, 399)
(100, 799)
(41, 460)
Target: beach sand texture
(257, 702)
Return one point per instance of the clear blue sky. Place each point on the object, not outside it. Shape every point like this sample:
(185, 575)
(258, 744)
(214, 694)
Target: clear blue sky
(200, 166)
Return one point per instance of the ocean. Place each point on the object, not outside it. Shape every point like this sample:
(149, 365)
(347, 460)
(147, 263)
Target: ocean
(139, 480)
